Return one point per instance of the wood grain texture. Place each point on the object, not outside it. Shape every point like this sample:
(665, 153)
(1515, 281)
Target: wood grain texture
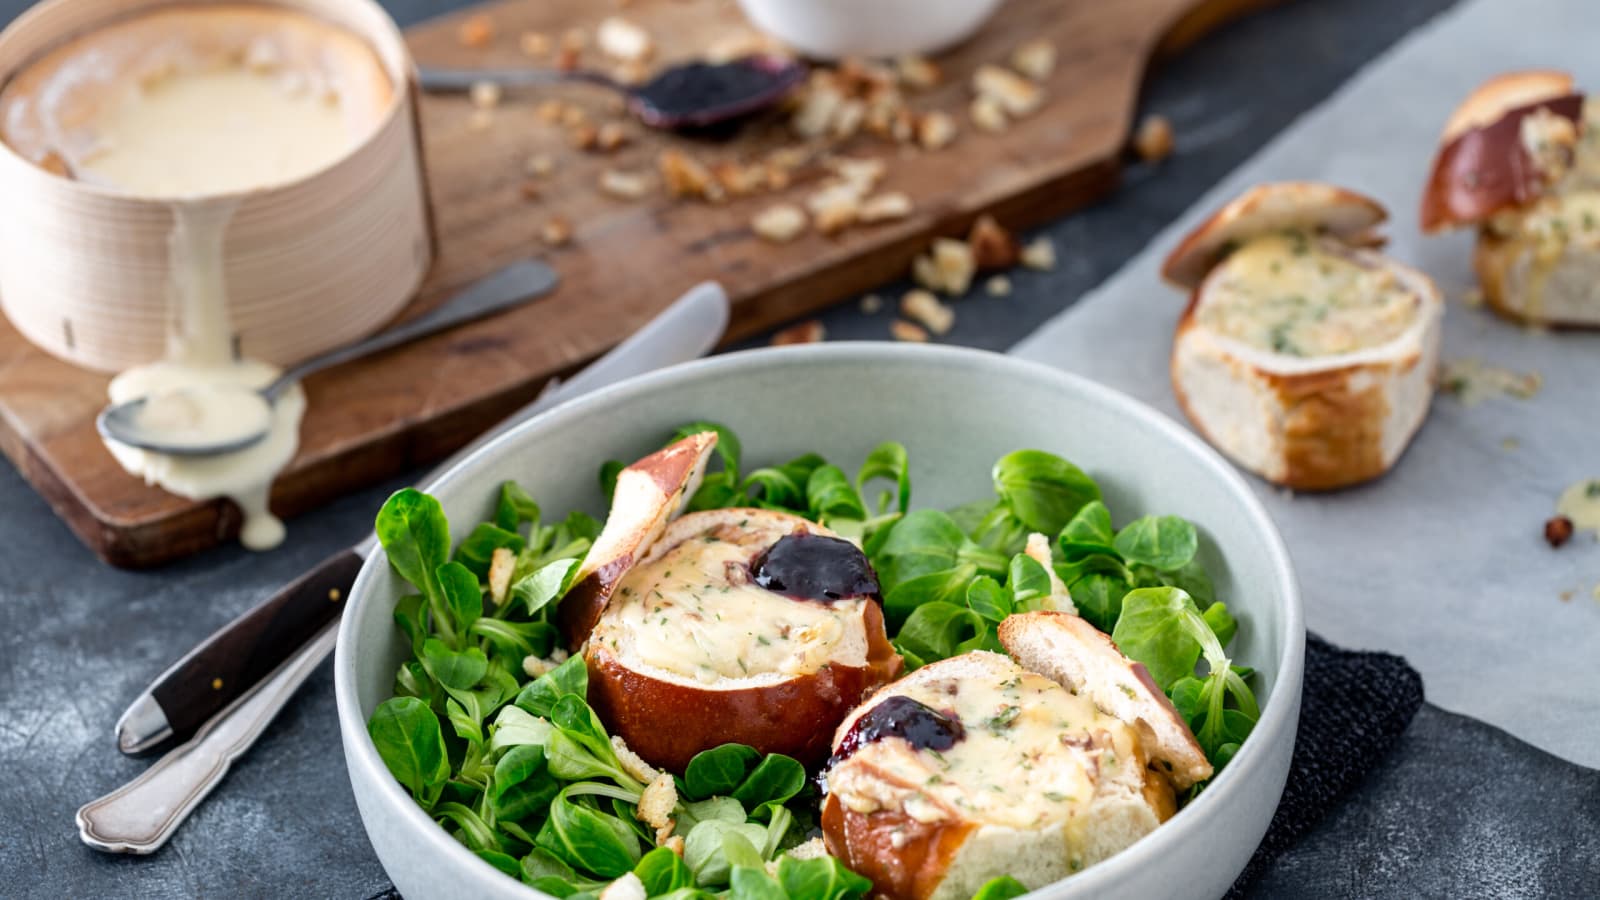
(374, 419)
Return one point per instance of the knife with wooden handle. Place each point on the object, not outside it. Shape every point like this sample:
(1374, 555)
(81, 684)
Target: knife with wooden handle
(239, 655)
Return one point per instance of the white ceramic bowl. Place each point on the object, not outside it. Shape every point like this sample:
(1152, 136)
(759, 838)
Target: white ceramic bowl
(831, 29)
(957, 411)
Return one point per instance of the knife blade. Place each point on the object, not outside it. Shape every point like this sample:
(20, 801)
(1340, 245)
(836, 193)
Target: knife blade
(239, 655)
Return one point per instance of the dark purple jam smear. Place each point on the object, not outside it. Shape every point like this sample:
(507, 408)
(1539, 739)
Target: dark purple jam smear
(922, 726)
(815, 567)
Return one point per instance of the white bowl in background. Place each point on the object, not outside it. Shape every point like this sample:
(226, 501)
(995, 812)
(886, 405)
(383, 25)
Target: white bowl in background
(956, 411)
(832, 29)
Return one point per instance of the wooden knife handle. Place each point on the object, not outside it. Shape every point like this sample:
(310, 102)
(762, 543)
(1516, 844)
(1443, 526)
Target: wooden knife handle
(245, 650)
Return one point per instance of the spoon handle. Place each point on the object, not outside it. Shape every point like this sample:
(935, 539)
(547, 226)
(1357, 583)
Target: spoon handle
(492, 293)
(445, 81)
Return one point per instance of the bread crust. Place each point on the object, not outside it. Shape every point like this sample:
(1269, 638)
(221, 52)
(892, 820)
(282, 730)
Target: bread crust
(1265, 208)
(1555, 297)
(1306, 426)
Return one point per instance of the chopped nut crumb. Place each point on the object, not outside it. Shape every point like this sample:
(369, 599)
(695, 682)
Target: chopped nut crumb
(862, 175)
(1017, 95)
(476, 31)
(585, 136)
(993, 247)
(997, 286)
(611, 136)
(1153, 141)
(818, 106)
(539, 164)
(686, 176)
(871, 304)
(573, 116)
(1040, 254)
(955, 263)
(936, 130)
(835, 208)
(779, 224)
(807, 332)
(987, 114)
(557, 232)
(622, 40)
(925, 309)
(1035, 59)
(485, 94)
(847, 119)
(901, 330)
(1558, 530)
(529, 189)
(535, 44)
(917, 72)
(624, 185)
(534, 666)
(885, 208)
(551, 111)
(739, 180)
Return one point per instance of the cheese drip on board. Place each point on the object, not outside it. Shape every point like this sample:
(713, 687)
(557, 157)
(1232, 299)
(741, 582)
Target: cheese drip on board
(201, 107)
(200, 357)
(1298, 295)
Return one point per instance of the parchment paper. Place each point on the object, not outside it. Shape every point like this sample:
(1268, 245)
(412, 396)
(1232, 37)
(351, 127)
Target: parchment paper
(1443, 560)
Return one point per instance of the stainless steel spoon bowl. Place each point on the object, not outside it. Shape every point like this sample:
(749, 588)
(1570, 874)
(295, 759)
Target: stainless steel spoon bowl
(251, 410)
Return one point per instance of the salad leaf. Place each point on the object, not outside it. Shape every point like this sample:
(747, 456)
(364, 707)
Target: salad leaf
(1041, 489)
(717, 771)
(663, 872)
(1029, 583)
(407, 736)
(515, 507)
(518, 789)
(889, 461)
(1165, 543)
(416, 538)
(939, 629)
(948, 586)
(728, 447)
(1098, 597)
(773, 781)
(830, 496)
(477, 550)
(1088, 532)
(1152, 630)
(822, 878)
(988, 599)
(536, 589)
(571, 678)
(460, 669)
(1003, 888)
(462, 595)
(610, 471)
(588, 839)
(753, 883)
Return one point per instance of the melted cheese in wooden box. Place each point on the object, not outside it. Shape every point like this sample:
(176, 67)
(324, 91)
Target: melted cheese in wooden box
(694, 612)
(1033, 755)
(1298, 295)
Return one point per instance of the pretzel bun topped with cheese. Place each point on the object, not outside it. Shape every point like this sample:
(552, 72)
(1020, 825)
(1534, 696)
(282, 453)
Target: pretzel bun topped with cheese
(1520, 161)
(1304, 354)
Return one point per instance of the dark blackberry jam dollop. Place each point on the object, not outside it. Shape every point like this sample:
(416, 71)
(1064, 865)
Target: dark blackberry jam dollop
(922, 726)
(815, 567)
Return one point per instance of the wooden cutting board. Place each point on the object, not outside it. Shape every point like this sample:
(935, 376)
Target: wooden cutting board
(373, 419)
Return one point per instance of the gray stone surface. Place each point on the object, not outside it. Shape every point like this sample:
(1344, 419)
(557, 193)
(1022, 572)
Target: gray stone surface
(81, 639)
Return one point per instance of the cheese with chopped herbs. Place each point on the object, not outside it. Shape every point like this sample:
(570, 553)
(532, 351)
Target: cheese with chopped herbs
(1299, 295)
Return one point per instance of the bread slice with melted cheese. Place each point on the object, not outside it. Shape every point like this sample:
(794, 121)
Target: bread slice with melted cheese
(1520, 161)
(690, 652)
(1304, 354)
(1041, 784)
(1082, 659)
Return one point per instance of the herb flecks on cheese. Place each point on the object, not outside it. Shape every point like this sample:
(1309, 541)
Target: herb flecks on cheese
(693, 611)
(1032, 755)
(1300, 295)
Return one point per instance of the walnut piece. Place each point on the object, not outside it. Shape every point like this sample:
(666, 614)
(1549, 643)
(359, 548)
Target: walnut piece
(917, 72)
(901, 330)
(885, 208)
(624, 185)
(686, 176)
(936, 130)
(1035, 59)
(993, 247)
(925, 309)
(810, 331)
(997, 286)
(779, 224)
(988, 114)
(1016, 95)
(556, 232)
(1039, 254)
(1153, 141)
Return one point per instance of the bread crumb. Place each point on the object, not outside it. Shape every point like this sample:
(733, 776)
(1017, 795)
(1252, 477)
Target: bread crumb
(810, 331)
(624, 185)
(477, 31)
(611, 136)
(847, 119)
(936, 130)
(1017, 95)
(997, 286)
(925, 309)
(871, 304)
(988, 115)
(739, 180)
(686, 176)
(628, 887)
(835, 208)
(632, 763)
(818, 105)
(953, 265)
(1040, 254)
(556, 232)
(812, 849)
(1472, 381)
(885, 207)
(484, 94)
(1153, 141)
(916, 72)
(779, 224)
(501, 564)
(622, 40)
(861, 174)
(675, 844)
(539, 164)
(534, 43)
(902, 330)
(993, 247)
(656, 803)
(1035, 59)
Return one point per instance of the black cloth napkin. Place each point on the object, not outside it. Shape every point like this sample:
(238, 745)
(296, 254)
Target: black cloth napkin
(1354, 707)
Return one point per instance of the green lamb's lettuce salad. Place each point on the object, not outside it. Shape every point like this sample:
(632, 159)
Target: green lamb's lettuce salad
(491, 732)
